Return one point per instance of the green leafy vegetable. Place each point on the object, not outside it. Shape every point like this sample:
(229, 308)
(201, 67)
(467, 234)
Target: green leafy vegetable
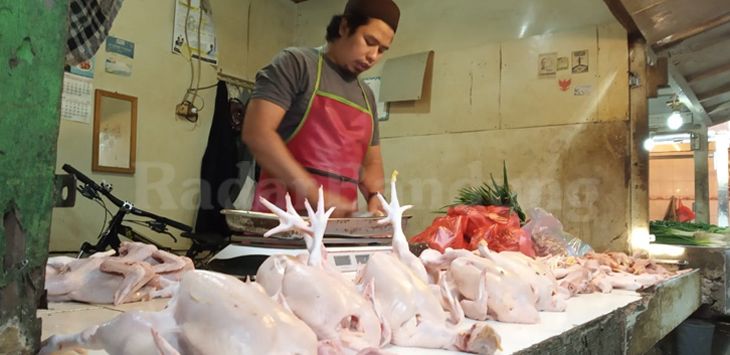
(686, 233)
(491, 195)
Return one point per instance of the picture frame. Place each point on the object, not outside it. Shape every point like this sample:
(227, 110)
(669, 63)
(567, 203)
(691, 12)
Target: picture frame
(115, 132)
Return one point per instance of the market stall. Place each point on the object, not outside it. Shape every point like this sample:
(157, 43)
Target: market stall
(443, 301)
(621, 322)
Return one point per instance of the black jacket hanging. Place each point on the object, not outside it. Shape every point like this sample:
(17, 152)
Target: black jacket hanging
(219, 171)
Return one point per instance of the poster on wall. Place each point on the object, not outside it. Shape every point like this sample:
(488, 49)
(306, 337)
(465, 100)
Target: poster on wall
(374, 84)
(546, 64)
(119, 56)
(580, 62)
(77, 99)
(85, 68)
(563, 63)
(582, 90)
(193, 31)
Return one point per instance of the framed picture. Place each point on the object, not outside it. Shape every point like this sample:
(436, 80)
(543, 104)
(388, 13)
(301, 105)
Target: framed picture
(546, 64)
(580, 62)
(115, 133)
(563, 63)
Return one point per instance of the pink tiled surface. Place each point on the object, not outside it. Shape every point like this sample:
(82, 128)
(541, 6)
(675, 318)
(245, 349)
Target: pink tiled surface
(675, 177)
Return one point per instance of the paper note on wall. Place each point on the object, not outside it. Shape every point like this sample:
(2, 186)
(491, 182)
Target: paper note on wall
(193, 30)
(120, 54)
(85, 68)
(77, 98)
(374, 84)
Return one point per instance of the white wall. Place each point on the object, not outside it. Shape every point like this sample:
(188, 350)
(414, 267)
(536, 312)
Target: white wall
(169, 150)
(484, 103)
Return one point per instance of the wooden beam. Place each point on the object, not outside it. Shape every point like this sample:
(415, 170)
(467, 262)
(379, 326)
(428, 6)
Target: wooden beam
(722, 90)
(709, 73)
(681, 36)
(657, 76)
(624, 17)
(638, 168)
(722, 119)
(719, 108)
(693, 46)
(686, 94)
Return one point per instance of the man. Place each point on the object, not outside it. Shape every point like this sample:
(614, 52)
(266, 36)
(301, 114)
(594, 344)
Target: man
(311, 122)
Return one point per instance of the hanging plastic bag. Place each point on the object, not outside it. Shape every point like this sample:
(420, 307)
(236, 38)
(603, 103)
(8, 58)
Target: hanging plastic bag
(549, 238)
(684, 213)
(244, 200)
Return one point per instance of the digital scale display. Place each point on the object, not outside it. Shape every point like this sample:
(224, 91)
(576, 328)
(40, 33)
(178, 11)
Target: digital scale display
(346, 260)
(342, 260)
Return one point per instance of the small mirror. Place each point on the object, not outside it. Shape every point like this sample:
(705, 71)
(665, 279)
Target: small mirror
(115, 132)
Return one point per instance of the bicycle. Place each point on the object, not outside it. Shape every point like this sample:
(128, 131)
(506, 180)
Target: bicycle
(109, 237)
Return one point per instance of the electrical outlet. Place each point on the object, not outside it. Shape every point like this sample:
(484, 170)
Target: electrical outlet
(187, 111)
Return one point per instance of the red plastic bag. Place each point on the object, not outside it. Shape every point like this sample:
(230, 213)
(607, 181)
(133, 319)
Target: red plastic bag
(504, 237)
(499, 226)
(480, 216)
(444, 232)
(684, 213)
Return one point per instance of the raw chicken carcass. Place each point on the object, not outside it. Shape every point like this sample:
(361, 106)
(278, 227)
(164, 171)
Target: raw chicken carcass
(210, 314)
(406, 302)
(602, 272)
(534, 272)
(140, 272)
(484, 288)
(99, 280)
(166, 265)
(340, 315)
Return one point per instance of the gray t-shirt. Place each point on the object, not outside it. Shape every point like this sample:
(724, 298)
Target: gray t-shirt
(290, 79)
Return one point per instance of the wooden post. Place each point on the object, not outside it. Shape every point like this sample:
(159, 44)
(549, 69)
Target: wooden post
(639, 128)
(32, 46)
(702, 175)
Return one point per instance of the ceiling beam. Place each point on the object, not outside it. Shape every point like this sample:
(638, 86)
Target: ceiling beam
(693, 46)
(686, 95)
(719, 108)
(681, 36)
(709, 73)
(722, 90)
(624, 17)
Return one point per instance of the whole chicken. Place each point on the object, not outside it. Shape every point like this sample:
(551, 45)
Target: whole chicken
(210, 314)
(342, 316)
(405, 300)
(536, 273)
(140, 272)
(100, 279)
(485, 288)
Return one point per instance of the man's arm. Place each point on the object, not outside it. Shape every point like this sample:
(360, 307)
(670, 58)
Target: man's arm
(259, 133)
(371, 177)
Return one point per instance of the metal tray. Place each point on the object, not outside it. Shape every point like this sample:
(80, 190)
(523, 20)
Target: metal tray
(258, 223)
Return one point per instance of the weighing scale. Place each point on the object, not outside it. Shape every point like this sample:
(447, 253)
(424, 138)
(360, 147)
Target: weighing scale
(349, 242)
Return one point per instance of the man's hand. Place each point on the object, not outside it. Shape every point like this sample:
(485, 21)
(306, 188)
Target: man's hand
(343, 207)
(375, 207)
